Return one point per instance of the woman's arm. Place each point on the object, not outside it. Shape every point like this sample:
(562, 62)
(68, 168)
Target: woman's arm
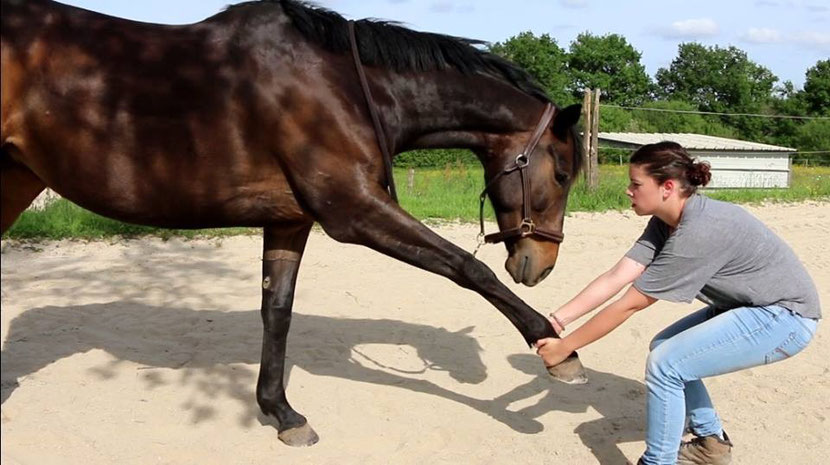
(598, 291)
(554, 351)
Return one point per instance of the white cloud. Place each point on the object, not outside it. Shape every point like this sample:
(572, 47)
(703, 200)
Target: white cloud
(815, 8)
(819, 40)
(441, 7)
(761, 35)
(574, 3)
(690, 29)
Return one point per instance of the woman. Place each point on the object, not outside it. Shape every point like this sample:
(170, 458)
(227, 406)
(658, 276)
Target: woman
(762, 305)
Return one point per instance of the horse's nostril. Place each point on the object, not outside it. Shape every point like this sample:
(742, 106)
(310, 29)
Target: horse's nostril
(523, 269)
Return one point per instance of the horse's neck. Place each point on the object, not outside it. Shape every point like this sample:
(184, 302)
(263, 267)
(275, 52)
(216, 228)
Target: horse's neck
(451, 110)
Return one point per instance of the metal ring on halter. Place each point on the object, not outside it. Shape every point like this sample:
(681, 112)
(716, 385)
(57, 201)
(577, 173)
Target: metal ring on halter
(527, 227)
(522, 160)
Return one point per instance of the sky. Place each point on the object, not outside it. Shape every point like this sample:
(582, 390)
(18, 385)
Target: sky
(785, 36)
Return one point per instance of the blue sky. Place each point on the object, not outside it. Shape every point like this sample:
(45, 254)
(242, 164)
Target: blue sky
(786, 36)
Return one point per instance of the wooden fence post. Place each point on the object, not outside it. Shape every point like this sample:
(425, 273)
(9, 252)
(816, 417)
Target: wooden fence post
(586, 135)
(593, 181)
(410, 180)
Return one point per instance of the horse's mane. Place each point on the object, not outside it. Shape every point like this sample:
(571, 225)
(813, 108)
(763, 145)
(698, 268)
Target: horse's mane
(387, 43)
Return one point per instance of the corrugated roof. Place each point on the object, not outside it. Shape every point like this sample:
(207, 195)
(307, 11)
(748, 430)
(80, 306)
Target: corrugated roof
(692, 141)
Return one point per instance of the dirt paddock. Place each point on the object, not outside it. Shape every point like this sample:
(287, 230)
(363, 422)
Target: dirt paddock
(145, 351)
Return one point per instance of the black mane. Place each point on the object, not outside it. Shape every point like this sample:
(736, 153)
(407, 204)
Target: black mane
(386, 43)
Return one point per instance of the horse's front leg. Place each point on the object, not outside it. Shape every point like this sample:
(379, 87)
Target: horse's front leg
(371, 218)
(282, 251)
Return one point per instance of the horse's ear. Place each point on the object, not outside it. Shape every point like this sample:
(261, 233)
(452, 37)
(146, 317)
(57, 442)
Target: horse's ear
(565, 119)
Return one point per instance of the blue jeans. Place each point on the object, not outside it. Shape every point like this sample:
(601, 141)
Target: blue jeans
(705, 344)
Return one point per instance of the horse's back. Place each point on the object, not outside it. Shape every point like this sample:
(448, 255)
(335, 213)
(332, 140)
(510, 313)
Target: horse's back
(160, 123)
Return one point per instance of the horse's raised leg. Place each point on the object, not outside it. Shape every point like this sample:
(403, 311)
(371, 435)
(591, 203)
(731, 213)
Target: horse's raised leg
(18, 187)
(282, 251)
(370, 217)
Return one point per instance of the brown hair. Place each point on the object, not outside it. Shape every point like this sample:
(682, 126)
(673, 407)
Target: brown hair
(669, 160)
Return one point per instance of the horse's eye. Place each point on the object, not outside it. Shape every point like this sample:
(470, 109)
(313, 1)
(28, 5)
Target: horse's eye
(561, 178)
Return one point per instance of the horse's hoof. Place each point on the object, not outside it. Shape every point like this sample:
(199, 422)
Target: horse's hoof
(570, 371)
(301, 436)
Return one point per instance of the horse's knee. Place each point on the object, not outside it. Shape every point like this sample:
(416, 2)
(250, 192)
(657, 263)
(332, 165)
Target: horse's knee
(475, 272)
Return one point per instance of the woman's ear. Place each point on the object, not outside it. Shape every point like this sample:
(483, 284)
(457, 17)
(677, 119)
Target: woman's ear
(668, 187)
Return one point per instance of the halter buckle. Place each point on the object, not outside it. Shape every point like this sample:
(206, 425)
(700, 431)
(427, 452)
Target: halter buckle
(527, 227)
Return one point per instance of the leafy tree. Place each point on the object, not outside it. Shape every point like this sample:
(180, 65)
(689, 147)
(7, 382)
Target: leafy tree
(815, 135)
(610, 63)
(616, 120)
(543, 58)
(817, 88)
(659, 121)
(721, 80)
(787, 100)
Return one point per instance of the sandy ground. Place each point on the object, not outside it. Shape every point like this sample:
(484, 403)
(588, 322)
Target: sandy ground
(147, 351)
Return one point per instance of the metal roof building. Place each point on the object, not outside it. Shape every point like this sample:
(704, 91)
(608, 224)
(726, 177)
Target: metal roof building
(735, 163)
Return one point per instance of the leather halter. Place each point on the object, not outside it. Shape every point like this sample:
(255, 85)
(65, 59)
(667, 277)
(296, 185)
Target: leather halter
(373, 112)
(527, 227)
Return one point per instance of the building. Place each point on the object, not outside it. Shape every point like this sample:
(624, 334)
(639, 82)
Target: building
(735, 163)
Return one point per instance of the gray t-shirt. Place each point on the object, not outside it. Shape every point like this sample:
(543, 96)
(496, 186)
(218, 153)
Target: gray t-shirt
(725, 257)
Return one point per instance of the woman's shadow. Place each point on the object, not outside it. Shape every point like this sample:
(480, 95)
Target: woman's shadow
(215, 343)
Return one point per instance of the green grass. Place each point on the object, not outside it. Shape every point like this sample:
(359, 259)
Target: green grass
(453, 193)
(62, 219)
(446, 194)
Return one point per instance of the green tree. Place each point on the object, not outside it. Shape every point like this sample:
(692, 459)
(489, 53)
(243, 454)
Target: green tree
(787, 100)
(611, 64)
(817, 88)
(616, 120)
(543, 58)
(815, 135)
(721, 80)
(659, 121)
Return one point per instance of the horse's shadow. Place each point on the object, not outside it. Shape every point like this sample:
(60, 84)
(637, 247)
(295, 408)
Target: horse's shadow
(208, 347)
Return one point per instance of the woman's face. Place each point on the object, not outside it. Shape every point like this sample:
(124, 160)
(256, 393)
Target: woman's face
(643, 190)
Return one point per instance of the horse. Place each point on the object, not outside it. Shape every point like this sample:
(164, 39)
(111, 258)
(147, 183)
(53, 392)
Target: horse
(276, 114)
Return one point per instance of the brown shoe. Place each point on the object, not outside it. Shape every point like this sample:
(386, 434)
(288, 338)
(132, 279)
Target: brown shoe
(708, 450)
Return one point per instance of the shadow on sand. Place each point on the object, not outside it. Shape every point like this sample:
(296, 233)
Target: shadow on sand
(208, 347)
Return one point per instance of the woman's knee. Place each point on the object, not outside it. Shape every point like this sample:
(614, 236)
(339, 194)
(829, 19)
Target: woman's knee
(658, 339)
(659, 365)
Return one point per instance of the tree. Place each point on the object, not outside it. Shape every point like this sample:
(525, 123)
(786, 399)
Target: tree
(674, 121)
(543, 58)
(720, 80)
(787, 100)
(815, 135)
(610, 63)
(817, 88)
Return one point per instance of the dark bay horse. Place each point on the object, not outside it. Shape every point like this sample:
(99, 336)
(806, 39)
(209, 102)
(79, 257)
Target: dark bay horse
(256, 117)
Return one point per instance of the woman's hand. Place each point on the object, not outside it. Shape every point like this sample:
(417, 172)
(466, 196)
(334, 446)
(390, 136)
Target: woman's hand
(553, 351)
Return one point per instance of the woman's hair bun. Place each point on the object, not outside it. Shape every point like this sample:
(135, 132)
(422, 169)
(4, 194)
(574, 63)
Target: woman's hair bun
(699, 174)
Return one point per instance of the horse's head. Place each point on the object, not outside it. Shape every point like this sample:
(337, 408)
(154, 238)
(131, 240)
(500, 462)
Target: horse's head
(537, 192)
